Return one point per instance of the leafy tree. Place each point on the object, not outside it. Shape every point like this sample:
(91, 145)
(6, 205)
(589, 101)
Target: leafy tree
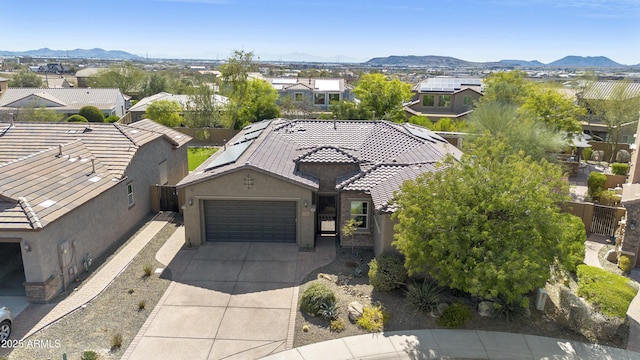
(165, 112)
(259, 104)
(35, 113)
(614, 109)
(489, 225)
(26, 79)
(507, 87)
(235, 76)
(154, 84)
(76, 118)
(91, 113)
(202, 111)
(349, 110)
(112, 119)
(382, 96)
(555, 110)
(521, 129)
(127, 77)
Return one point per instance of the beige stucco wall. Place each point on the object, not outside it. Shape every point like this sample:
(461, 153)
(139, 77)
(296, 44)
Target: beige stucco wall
(362, 237)
(232, 187)
(383, 234)
(456, 107)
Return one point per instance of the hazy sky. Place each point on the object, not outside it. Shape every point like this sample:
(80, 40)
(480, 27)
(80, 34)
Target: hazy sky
(472, 30)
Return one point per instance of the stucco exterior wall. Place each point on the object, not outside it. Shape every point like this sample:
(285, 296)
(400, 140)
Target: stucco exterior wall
(383, 234)
(362, 237)
(232, 187)
(456, 107)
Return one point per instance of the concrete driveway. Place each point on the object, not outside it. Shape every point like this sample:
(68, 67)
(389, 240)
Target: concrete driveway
(227, 301)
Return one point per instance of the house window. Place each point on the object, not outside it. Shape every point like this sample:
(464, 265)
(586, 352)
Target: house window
(130, 194)
(319, 99)
(444, 100)
(467, 100)
(360, 212)
(298, 96)
(428, 100)
(164, 178)
(334, 98)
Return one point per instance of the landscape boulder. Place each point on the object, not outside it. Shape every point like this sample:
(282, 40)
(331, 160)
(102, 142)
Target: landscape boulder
(486, 309)
(612, 256)
(355, 311)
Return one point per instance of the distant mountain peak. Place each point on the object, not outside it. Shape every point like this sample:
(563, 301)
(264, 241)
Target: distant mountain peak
(435, 61)
(95, 53)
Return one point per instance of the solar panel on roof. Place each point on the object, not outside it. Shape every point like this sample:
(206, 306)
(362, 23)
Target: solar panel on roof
(248, 137)
(284, 81)
(424, 133)
(328, 85)
(257, 126)
(230, 155)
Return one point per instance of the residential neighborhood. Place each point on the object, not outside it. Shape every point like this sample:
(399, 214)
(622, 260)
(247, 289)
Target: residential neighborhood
(252, 209)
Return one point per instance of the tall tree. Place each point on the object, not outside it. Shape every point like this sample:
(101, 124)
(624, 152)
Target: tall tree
(507, 87)
(557, 111)
(235, 77)
(203, 111)
(349, 110)
(489, 224)
(127, 77)
(26, 79)
(614, 108)
(165, 112)
(154, 83)
(523, 131)
(259, 103)
(382, 96)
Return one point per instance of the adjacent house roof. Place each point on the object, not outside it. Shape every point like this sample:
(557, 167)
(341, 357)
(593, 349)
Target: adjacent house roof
(71, 99)
(48, 169)
(607, 89)
(448, 85)
(141, 105)
(309, 84)
(387, 153)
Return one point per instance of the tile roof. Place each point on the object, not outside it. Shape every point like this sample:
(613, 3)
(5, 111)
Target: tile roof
(388, 154)
(67, 98)
(607, 89)
(48, 169)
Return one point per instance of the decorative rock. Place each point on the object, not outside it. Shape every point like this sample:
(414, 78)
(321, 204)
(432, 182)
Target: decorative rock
(612, 256)
(332, 278)
(486, 309)
(355, 311)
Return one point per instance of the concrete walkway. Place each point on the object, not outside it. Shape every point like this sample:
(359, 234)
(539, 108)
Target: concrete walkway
(452, 344)
(48, 313)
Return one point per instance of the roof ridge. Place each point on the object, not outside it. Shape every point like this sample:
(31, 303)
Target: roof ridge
(30, 213)
(39, 153)
(316, 149)
(121, 129)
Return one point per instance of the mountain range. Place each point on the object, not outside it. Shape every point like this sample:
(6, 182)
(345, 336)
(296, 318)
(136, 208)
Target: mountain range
(407, 60)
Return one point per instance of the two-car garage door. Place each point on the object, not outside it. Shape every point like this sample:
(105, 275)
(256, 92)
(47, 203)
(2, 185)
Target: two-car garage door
(244, 220)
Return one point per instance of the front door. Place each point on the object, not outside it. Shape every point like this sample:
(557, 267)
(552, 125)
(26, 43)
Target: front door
(327, 214)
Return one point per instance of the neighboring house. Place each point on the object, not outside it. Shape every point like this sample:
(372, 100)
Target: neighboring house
(320, 93)
(138, 110)
(57, 82)
(601, 91)
(442, 97)
(71, 191)
(4, 85)
(83, 76)
(290, 181)
(66, 101)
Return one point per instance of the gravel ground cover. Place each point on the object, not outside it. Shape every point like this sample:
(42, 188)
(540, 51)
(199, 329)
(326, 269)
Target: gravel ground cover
(120, 310)
(312, 329)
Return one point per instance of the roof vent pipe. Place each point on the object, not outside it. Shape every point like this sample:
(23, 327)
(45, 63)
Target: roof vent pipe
(59, 150)
(335, 126)
(11, 118)
(93, 166)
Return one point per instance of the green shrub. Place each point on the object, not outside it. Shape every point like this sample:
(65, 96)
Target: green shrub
(77, 118)
(89, 355)
(624, 263)
(608, 292)
(314, 296)
(112, 118)
(91, 113)
(454, 316)
(116, 341)
(620, 168)
(141, 305)
(337, 325)
(424, 297)
(595, 184)
(147, 269)
(387, 272)
(609, 198)
(586, 154)
(373, 318)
